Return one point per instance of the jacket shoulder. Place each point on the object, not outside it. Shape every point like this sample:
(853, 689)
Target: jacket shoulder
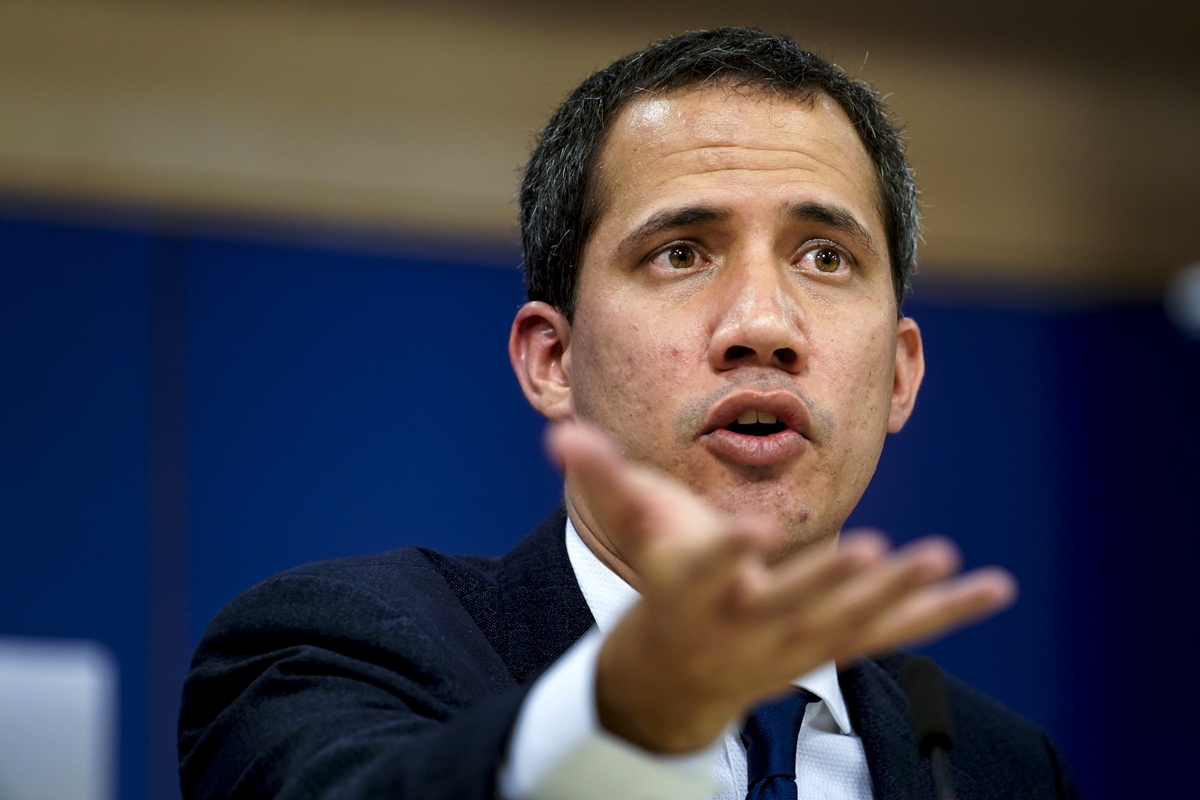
(408, 599)
(319, 659)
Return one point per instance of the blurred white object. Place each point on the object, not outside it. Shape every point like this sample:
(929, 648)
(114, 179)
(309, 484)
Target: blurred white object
(58, 723)
(1182, 300)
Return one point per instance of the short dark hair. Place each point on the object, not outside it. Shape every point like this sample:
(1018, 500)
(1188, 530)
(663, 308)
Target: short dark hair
(559, 199)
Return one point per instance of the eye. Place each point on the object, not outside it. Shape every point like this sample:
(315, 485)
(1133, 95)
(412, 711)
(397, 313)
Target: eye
(827, 260)
(681, 257)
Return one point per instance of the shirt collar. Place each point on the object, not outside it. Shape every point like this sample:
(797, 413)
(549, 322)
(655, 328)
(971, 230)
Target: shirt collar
(608, 597)
(607, 594)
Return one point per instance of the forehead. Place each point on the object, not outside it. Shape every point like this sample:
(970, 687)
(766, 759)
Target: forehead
(728, 141)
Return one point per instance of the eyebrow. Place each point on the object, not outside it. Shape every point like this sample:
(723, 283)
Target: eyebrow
(829, 216)
(669, 219)
(834, 217)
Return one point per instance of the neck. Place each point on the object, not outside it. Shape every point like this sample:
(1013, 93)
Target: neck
(592, 535)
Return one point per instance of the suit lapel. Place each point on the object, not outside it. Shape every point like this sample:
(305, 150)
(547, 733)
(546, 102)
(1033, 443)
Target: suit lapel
(543, 607)
(879, 713)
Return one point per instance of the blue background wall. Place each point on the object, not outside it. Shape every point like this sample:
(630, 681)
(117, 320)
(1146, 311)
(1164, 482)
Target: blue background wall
(181, 415)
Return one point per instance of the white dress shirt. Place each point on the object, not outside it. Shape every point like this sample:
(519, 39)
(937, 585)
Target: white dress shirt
(560, 752)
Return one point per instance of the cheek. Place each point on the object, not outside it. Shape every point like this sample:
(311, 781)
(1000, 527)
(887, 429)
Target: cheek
(620, 372)
(863, 373)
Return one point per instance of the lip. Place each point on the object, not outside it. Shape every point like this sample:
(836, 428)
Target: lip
(758, 451)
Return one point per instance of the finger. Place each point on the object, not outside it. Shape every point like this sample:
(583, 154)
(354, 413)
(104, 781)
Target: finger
(807, 577)
(746, 538)
(875, 590)
(622, 497)
(938, 609)
(595, 465)
(854, 608)
(668, 535)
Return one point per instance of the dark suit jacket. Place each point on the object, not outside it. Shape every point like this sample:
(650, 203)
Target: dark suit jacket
(399, 675)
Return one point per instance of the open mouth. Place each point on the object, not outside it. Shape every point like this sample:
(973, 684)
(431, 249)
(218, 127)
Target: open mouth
(741, 430)
(756, 423)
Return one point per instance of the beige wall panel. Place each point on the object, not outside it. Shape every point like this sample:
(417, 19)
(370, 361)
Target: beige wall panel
(362, 113)
(1052, 180)
(418, 119)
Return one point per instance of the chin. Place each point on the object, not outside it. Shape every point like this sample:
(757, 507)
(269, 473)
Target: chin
(790, 513)
(806, 537)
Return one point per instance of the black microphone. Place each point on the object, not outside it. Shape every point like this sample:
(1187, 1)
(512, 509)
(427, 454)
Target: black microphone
(926, 692)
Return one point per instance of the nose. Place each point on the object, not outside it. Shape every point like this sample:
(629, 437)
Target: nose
(760, 322)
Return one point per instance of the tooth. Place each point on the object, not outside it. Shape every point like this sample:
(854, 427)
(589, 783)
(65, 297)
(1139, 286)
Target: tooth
(767, 418)
(748, 418)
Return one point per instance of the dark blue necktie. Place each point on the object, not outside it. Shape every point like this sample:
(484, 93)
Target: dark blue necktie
(770, 735)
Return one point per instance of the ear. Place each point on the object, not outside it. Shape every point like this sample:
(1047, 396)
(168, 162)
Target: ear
(910, 369)
(539, 348)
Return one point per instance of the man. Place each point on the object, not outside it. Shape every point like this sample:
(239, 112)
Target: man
(718, 235)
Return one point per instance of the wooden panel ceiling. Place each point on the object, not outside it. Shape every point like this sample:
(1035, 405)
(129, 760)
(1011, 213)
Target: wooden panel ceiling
(1056, 146)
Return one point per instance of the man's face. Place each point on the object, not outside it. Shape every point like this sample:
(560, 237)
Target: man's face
(735, 323)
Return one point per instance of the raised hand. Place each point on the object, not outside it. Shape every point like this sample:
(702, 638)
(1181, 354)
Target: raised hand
(727, 617)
